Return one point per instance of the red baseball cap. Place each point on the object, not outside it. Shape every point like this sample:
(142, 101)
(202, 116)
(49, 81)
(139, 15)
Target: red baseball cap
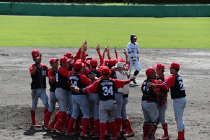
(149, 71)
(112, 62)
(88, 62)
(52, 60)
(77, 65)
(175, 65)
(69, 54)
(105, 70)
(106, 61)
(160, 66)
(93, 62)
(121, 60)
(35, 53)
(64, 59)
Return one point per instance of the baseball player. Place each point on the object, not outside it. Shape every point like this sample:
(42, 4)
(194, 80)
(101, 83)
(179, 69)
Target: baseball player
(106, 88)
(52, 77)
(61, 91)
(133, 51)
(93, 99)
(162, 105)
(79, 100)
(120, 71)
(175, 83)
(38, 73)
(149, 105)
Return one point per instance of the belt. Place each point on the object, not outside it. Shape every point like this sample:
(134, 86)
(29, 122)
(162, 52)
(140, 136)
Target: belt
(107, 99)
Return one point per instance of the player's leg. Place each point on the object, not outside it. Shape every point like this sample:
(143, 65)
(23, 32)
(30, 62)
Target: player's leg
(126, 122)
(153, 114)
(43, 96)
(50, 110)
(179, 105)
(34, 97)
(162, 112)
(96, 114)
(137, 66)
(90, 98)
(147, 119)
(111, 117)
(69, 111)
(84, 106)
(103, 116)
(131, 64)
(118, 117)
(61, 96)
(75, 114)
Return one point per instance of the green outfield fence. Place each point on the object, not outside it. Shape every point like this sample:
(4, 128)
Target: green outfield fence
(46, 9)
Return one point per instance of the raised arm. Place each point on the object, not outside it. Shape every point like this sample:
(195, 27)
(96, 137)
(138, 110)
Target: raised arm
(99, 54)
(126, 57)
(108, 55)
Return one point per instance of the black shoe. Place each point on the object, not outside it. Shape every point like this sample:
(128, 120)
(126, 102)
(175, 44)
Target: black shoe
(134, 81)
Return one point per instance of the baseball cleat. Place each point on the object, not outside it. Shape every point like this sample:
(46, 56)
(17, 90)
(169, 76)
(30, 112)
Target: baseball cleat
(91, 132)
(97, 135)
(35, 125)
(57, 131)
(134, 81)
(113, 138)
(46, 128)
(118, 135)
(164, 138)
(69, 133)
(82, 134)
(106, 133)
(129, 134)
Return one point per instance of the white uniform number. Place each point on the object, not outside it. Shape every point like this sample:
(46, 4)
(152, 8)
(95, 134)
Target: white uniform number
(73, 83)
(181, 83)
(145, 88)
(107, 90)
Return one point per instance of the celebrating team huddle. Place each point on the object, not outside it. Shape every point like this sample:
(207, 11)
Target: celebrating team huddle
(95, 96)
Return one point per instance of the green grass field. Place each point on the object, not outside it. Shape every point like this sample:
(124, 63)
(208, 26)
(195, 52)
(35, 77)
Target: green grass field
(32, 31)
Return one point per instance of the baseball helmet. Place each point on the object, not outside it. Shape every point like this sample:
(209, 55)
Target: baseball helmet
(149, 71)
(132, 36)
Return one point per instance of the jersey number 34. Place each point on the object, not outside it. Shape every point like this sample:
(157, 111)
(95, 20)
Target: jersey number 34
(107, 90)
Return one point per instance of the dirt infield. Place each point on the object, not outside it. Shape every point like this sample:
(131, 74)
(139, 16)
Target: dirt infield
(15, 96)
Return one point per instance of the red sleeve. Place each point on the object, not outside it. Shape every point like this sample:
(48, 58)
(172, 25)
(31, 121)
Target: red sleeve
(63, 71)
(50, 75)
(31, 68)
(83, 57)
(170, 82)
(120, 83)
(165, 78)
(77, 56)
(86, 81)
(92, 88)
(155, 89)
(70, 73)
(101, 59)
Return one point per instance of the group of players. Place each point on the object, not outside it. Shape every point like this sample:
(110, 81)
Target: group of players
(95, 95)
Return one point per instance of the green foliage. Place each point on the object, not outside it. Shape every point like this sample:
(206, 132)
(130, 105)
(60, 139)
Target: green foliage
(32, 31)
